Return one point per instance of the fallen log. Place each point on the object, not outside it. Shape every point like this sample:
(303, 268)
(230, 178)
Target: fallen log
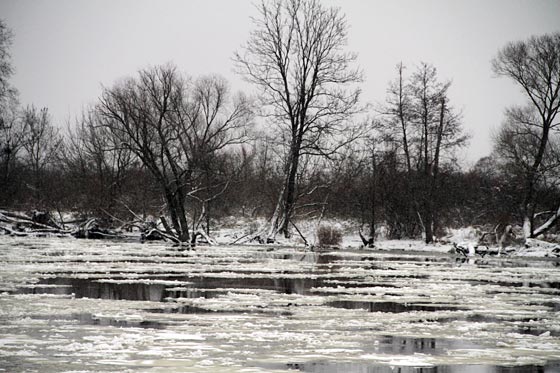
(91, 230)
(20, 225)
(23, 220)
(12, 232)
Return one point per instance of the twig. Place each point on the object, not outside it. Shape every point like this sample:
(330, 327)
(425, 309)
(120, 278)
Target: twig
(130, 210)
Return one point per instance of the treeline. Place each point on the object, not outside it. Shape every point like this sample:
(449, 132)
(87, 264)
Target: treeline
(86, 172)
(186, 151)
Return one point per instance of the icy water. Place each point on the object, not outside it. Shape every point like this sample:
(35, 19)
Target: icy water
(89, 306)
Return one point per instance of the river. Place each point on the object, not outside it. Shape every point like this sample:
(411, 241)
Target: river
(71, 305)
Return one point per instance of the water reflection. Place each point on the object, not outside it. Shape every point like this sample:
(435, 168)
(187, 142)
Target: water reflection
(91, 319)
(330, 367)
(390, 307)
(434, 346)
(146, 291)
(90, 288)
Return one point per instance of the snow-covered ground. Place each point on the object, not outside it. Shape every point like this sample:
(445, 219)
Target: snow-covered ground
(237, 230)
(71, 305)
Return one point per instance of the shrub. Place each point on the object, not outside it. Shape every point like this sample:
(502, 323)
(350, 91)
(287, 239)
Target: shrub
(328, 235)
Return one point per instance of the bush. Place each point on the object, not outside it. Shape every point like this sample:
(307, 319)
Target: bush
(328, 236)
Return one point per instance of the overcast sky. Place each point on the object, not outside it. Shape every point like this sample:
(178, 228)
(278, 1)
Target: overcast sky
(64, 51)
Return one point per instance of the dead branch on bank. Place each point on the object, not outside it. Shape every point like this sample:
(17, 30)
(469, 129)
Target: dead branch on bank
(40, 223)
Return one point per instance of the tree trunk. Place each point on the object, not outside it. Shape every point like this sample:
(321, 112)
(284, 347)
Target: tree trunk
(290, 191)
(276, 219)
(373, 184)
(527, 206)
(184, 226)
(428, 221)
(527, 226)
(432, 175)
(176, 207)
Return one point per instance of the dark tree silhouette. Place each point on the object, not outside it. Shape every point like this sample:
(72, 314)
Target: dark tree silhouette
(534, 65)
(296, 57)
(424, 129)
(173, 125)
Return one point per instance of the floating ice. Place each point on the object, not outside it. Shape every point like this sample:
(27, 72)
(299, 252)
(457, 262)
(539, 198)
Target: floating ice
(70, 305)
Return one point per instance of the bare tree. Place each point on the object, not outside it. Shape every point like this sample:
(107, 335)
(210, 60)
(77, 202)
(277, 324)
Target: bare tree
(42, 139)
(296, 57)
(6, 68)
(398, 131)
(534, 65)
(12, 136)
(426, 130)
(515, 144)
(398, 111)
(11, 131)
(98, 167)
(172, 125)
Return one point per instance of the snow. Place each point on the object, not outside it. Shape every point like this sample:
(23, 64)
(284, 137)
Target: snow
(78, 305)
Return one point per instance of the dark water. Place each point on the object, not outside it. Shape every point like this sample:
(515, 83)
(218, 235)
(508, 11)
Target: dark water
(97, 288)
(139, 291)
(391, 307)
(90, 319)
(434, 346)
(329, 367)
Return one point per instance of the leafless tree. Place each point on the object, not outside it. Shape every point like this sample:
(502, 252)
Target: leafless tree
(426, 130)
(438, 129)
(172, 125)
(11, 131)
(42, 141)
(398, 112)
(515, 144)
(97, 166)
(534, 64)
(40, 145)
(6, 68)
(12, 136)
(296, 57)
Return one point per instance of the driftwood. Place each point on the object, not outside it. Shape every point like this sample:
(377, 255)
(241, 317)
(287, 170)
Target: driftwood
(12, 232)
(42, 223)
(92, 230)
(17, 224)
(37, 220)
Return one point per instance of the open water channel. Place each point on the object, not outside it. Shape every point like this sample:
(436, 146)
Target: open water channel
(89, 306)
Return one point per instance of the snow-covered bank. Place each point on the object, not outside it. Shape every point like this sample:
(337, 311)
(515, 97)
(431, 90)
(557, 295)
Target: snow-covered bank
(465, 237)
(235, 230)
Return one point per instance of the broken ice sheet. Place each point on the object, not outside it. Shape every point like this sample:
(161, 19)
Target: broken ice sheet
(93, 306)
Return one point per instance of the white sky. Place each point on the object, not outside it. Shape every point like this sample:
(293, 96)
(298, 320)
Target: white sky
(65, 50)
